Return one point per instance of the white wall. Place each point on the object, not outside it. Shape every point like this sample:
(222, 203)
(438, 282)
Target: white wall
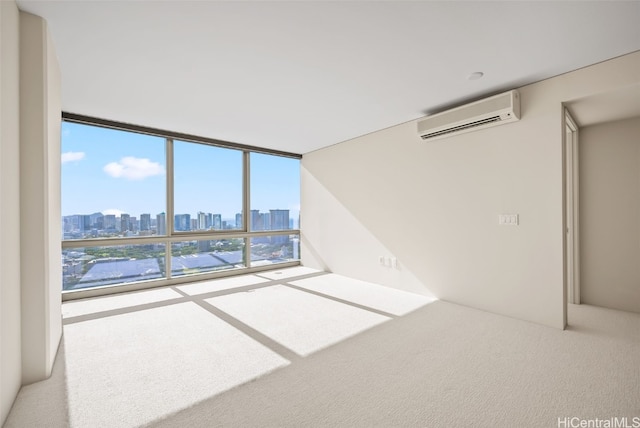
(40, 234)
(610, 215)
(435, 205)
(10, 364)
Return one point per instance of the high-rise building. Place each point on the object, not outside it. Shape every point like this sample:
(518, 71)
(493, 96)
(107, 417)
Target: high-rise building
(217, 221)
(86, 222)
(96, 220)
(201, 221)
(76, 223)
(161, 223)
(279, 221)
(125, 222)
(194, 224)
(238, 221)
(255, 221)
(145, 222)
(110, 222)
(67, 223)
(182, 222)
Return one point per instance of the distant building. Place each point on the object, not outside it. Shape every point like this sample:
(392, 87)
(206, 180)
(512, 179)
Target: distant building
(266, 221)
(70, 223)
(255, 222)
(238, 221)
(161, 223)
(279, 221)
(145, 222)
(110, 222)
(182, 222)
(86, 223)
(217, 221)
(202, 221)
(97, 220)
(125, 223)
(76, 223)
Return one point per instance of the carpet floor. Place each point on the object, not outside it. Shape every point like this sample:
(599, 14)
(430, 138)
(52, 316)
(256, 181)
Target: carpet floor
(302, 348)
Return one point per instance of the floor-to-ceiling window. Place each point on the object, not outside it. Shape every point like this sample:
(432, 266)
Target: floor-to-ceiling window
(143, 207)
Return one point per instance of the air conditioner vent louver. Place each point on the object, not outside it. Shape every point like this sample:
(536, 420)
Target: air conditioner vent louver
(461, 127)
(499, 109)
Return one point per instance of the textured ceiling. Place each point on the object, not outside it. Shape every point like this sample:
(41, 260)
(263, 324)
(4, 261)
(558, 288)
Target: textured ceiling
(301, 75)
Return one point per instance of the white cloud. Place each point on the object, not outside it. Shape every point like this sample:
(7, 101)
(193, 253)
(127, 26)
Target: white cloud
(133, 168)
(72, 156)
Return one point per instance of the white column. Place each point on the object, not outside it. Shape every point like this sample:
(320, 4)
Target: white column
(40, 232)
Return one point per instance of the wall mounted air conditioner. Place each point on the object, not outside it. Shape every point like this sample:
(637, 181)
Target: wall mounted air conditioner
(495, 110)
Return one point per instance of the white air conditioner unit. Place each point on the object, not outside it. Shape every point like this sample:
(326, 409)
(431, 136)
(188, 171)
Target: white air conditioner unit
(495, 110)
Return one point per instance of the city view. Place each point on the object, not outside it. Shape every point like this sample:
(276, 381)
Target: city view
(106, 265)
(124, 174)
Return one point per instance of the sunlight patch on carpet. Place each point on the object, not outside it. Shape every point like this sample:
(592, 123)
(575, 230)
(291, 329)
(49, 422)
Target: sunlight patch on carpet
(390, 300)
(77, 308)
(132, 369)
(220, 284)
(303, 322)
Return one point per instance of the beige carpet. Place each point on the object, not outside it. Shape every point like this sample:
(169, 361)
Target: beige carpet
(243, 354)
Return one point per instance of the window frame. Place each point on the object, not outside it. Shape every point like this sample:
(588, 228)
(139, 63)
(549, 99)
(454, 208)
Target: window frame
(171, 234)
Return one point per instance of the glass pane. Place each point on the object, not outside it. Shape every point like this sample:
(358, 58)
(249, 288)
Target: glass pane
(275, 193)
(121, 264)
(207, 187)
(113, 183)
(194, 257)
(267, 250)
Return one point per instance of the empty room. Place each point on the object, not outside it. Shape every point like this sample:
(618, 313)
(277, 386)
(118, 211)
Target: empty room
(319, 213)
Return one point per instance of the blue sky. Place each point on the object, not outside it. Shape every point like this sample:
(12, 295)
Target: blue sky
(110, 171)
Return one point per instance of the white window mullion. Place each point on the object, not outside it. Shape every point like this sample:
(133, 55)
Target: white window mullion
(169, 207)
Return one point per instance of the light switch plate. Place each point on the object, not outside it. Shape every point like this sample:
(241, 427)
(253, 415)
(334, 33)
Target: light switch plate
(508, 219)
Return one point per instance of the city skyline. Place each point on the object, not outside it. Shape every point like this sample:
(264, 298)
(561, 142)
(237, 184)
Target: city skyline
(78, 226)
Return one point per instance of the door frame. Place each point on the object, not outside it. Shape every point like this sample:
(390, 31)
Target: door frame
(570, 133)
